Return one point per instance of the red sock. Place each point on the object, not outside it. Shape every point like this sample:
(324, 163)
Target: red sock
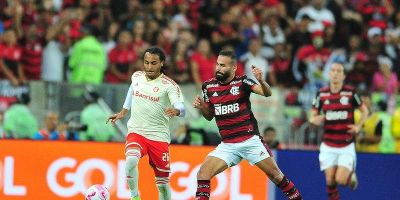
(203, 190)
(289, 189)
(333, 192)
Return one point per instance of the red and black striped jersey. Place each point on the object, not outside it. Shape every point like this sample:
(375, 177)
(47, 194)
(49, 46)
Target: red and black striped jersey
(338, 109)
(230, 103)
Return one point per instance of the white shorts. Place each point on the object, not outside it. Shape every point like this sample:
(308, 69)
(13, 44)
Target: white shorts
(337, 156)
(252, 150)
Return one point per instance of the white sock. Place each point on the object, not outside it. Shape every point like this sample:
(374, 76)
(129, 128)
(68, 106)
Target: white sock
(131, 171)
(164, 191)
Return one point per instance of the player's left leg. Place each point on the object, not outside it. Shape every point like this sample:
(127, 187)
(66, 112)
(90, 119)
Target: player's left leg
(345, 174)
(159, 160)
(271, 169)
(258, 154)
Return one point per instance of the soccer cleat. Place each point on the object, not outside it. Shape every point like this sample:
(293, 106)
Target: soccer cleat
(135, 198)
(353, 182)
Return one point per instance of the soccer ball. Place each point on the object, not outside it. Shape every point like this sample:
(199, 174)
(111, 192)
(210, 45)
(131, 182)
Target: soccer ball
(97, 192)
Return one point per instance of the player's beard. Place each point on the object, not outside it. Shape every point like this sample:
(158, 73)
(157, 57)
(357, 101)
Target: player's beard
(221, 77)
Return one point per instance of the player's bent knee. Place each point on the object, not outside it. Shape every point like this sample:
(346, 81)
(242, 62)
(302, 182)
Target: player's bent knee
(162, 180)
(203, 174)
(132, 159)
(341, 180)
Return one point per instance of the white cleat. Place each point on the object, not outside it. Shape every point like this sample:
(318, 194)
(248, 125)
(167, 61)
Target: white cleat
(353, 182)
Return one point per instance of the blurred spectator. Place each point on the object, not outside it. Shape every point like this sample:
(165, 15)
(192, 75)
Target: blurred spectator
(385, 80)
(19, 122)
(376, 12)
(254, 58)
(58, 41)
(310, 61)
(392, 47)
(375, 48)
(281, 73)
(357, 77)
(300, 35)
(387, 144)
(93, 117)
(10, 59)
(271, 34)
(317, 12)
(121, 59)
(246, 32)
(202, 63)
(371, 132)
(88, 59)
(158, 13)
(53, 130)
(180, 66)
(139, 43)
(109, 40)
(269, 137)
(180, 18)
(32, 53)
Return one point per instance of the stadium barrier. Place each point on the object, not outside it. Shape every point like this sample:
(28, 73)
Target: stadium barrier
(64, 170)
(51, 170)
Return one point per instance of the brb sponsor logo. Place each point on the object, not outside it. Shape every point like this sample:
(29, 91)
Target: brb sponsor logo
(336, 115)
(226, 109)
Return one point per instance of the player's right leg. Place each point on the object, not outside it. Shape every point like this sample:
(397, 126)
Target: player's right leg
(134, 150)
(210, 168)
(328, 160)
(217, 161)
(331, 185)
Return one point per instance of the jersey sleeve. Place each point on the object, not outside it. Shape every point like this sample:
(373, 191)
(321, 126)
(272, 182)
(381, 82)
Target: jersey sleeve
(356, 100)
(175, 94)
(316, 103)
(248, 84)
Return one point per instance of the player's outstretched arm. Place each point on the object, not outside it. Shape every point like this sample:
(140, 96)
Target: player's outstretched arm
(203, 107)
(177, 111)
(263, 89)
(115, 117)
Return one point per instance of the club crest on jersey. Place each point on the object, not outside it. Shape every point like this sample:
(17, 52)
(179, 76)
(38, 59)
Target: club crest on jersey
(156, 89)
(234, 90)
(344, 100)
(215, 94)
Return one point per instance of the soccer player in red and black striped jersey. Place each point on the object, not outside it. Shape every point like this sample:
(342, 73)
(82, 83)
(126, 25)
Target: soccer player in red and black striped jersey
(226, 97)
(334, 107)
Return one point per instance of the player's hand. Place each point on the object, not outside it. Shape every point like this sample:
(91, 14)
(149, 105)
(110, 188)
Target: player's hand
(354, 129)
(198, 103)
(114, 118)
(172, 112)
(317, 120)
(257, 73)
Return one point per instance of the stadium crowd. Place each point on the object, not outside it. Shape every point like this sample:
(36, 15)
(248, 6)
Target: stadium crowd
(293, 41)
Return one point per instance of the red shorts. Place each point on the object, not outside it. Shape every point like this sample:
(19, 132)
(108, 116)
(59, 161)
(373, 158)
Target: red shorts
(158, 152)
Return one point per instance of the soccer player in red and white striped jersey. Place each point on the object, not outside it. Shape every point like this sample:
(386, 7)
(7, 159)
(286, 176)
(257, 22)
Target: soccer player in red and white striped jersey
(226, 97)
(334, 107)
